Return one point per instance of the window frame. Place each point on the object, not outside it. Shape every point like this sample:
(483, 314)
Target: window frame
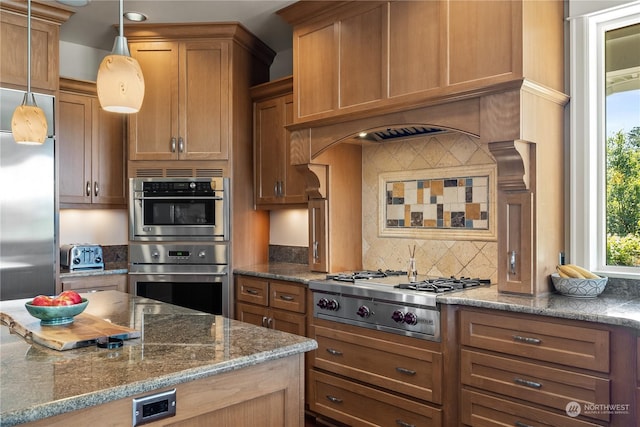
(587, 142)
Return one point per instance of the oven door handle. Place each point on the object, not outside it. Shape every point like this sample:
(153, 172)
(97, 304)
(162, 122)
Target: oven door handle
(180, 197)
(179, 273)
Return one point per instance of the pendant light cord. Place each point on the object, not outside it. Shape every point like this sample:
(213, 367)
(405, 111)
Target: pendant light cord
(29, 47)
(121, 19)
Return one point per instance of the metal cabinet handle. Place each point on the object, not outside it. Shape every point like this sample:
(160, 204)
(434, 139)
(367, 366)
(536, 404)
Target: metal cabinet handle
(334, 352)
(180, 145)
(315, 251)
(521, 424)
(527, 340)
(88, 189)
(251, 291)
(334, 399)
(287, 297)
(96, 189)
(403, 424)
(280, 192)
(405, 371)
(173, 144)
(512, 262)
(269, 322)
(264, 321)
(527, 383)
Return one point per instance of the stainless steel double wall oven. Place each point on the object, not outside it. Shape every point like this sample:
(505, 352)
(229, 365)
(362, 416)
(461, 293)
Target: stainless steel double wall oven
(179, 241)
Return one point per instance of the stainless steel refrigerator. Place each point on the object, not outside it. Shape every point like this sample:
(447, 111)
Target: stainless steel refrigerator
(28, 218)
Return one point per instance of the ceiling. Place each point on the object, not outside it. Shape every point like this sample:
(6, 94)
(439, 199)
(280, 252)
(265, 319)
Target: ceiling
(93, 24)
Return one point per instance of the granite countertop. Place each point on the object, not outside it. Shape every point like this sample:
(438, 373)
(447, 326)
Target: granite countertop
(177, 345)
(611, 307)
(120, 267)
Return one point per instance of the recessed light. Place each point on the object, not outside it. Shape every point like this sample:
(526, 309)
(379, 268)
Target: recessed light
(74, 3)
(135, 16)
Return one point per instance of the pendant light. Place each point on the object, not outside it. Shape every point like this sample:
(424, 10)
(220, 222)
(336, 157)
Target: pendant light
(28, 123)
(120, 82)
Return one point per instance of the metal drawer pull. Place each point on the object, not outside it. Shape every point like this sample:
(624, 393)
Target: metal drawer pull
(88, 189)
(527, 339)
(173, 144)
(251, 291)
(519, 424)
(269, 322)
(334, 399)
(405, 371)
(96, 189)
(287, 297)
(264, 321)
(527, 383)
(403, 424)
(334, 352)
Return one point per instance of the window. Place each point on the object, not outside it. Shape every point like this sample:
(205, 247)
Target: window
(604, 204)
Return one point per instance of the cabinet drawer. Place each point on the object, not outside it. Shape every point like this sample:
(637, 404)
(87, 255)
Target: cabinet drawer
(255, 291)
(569, 345)
(533, 382)
(408, 370)
(487, 411)
(355, 404)
(287, 296)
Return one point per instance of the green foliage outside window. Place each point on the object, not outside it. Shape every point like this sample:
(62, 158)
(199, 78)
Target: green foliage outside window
(623, 199)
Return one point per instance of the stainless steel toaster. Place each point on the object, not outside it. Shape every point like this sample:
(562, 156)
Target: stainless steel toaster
(81, 256)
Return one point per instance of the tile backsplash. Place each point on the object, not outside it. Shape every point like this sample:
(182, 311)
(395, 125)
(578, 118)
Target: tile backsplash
(442, 156)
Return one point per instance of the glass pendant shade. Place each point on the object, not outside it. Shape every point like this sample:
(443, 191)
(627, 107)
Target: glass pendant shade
(120, 84)
(28, 123)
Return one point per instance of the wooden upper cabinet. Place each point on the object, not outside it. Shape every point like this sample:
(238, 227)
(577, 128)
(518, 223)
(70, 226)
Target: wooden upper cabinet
(366, 56)
(45, 29)
(185, 113)
(277, 181)
(91, 144)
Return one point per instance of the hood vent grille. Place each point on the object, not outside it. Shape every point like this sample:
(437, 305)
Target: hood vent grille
(400, 132)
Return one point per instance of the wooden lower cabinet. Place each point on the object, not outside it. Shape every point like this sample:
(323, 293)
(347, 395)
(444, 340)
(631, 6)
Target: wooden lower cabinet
(529, 370)
(364, 377)
(274, 304)
(482, 409)
(357, 404)
(106, 282)
(268, 394)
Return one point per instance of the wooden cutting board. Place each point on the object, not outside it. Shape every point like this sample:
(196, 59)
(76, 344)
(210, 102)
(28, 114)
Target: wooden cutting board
(84, 330)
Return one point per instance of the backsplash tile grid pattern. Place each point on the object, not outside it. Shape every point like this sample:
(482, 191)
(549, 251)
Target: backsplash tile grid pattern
(434, 257)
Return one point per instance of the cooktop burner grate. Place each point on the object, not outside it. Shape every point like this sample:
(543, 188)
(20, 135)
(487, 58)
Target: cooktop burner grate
(365, 275)
(444, 284)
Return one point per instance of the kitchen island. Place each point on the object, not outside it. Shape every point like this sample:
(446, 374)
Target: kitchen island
(223, 370)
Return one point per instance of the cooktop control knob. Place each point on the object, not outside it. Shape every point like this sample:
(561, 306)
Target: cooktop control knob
(398, 316)
(323, 303)
(97, 260)
(363, 311)
(333, 305)
(76, 260)
(410, 319)
(202, 254)
(155, 254)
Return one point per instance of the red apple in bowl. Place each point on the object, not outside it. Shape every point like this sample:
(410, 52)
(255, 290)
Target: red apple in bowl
(42, 300)
(73, 295)
(62, 300)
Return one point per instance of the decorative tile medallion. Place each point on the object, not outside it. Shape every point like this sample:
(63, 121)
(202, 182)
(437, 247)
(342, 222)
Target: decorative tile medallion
(437, 200)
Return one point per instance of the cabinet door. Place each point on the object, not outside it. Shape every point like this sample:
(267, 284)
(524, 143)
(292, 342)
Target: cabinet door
(13, 51)
(294, 181)
(74, 148)
(318, 235)
(269, 149)
(253, 314)
(292, 323)
(204, 101)
(108, 159)
(153, 131)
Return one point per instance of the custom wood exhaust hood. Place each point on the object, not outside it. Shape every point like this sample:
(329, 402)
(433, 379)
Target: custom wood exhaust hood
(483, 82)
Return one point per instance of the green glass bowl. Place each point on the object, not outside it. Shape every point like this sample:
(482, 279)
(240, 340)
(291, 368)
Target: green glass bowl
(56, 314)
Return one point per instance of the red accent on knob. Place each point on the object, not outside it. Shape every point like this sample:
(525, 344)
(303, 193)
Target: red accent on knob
(364, 311)
(398, 316)
(410, 319)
